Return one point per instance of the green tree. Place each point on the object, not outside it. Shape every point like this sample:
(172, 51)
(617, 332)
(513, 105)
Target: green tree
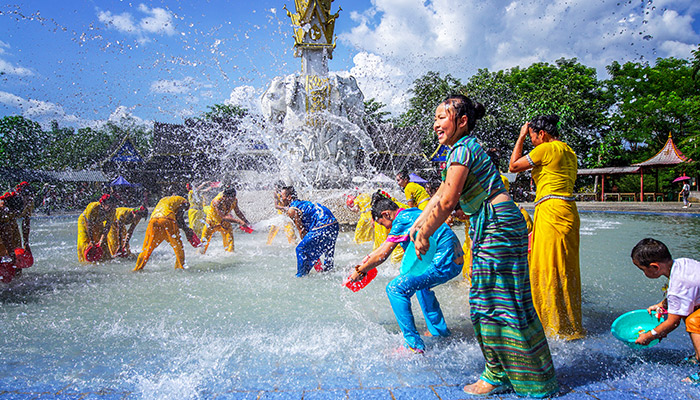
(374, 113)
(512, 97)
(570, 90)
(696, 62)
(88, 147)
(21, 142)
(651, 101)
(427, 92)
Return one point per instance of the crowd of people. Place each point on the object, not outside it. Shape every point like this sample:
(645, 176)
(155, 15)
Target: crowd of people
(524, 274)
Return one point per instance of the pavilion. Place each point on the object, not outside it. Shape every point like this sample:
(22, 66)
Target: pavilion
(668, 156)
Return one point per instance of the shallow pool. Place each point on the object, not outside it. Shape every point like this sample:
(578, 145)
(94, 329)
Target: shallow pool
(242, 323)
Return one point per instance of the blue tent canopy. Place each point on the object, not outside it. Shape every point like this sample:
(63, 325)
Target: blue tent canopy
(120, 181)
(417, 179)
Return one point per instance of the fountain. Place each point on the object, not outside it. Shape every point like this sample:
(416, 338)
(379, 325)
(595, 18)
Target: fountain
(316, 118)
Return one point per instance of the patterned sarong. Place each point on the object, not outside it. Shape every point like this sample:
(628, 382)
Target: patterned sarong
(505, 322)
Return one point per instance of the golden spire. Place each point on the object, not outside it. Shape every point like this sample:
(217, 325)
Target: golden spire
(313, 25)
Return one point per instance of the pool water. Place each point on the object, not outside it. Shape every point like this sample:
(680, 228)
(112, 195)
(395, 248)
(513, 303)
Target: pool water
(241, 323)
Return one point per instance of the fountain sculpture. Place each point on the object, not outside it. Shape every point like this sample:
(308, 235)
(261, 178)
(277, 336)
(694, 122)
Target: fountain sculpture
(316, 117)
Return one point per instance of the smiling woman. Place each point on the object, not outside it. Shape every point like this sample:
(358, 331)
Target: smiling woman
(506, 325)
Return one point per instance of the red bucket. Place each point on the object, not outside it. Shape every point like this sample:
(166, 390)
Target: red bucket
(355, 286)
(93, 253)
(24, 259)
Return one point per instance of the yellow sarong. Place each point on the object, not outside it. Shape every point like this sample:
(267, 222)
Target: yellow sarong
(555, 275)
(162, 226)
(215, 223)
(196, 214)
(159, 230)
(117, 232)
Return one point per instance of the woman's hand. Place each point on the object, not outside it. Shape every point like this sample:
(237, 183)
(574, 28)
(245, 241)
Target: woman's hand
(422, 245)
(414, 230)
(524, 130)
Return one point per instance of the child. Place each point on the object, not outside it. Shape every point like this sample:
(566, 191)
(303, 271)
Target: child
(682, 298)
(446, 264)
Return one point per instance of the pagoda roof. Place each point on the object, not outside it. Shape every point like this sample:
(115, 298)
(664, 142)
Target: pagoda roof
(668, 155)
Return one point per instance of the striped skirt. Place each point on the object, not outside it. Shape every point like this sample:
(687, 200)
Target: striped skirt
(505, 322)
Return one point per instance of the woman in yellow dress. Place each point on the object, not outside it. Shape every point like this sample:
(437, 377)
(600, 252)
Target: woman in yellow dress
(196, 215)
(94, 224)
(119, 235)
(555, 274)
(416, 196)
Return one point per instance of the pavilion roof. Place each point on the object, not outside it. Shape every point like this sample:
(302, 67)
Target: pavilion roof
(668, 155)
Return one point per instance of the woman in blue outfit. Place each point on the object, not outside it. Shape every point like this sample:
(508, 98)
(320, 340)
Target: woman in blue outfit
(445, 265)
(317, 227)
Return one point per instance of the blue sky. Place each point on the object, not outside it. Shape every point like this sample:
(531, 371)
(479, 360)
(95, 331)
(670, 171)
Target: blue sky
(86, 62)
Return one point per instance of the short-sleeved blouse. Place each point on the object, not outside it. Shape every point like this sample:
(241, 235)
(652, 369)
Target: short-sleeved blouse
(483, 181)
(554, 169)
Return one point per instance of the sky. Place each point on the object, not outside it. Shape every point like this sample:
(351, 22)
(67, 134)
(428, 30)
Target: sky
(85, 62)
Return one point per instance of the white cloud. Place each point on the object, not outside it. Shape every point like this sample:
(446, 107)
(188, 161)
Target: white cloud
(11, 100)
(160, 21)
(378, 78)
(122, 116)
(400, 40)
(157, 21)
(677, 49)
(42, 112)
(45, 112)
(123, 22)
(8, 68)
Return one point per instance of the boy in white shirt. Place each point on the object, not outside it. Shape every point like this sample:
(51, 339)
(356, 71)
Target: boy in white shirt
(682, 298)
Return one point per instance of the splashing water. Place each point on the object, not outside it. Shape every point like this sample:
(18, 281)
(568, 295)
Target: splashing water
(242, 322)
